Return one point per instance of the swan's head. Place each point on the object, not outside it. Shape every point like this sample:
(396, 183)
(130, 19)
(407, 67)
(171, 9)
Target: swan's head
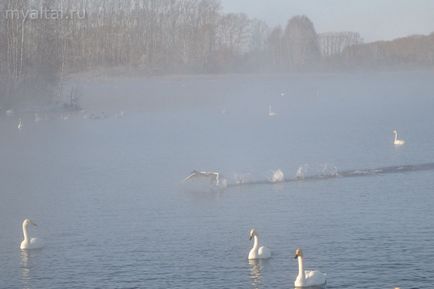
(394, 131)
(298, 253)
(27, 222)
(252, 234)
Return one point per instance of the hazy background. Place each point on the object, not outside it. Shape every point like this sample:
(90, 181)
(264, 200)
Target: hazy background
(103, 116)
(106, 190)
(374, 20)
(39, 54)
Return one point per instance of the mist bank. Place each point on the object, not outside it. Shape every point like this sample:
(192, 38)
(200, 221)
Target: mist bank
(149, 37)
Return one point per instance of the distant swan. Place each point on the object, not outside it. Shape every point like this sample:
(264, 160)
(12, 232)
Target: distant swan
(308, 278)
(270, 112)
(27, 243)
(215, 176)
(397, 141)
(277, 176)
(20, 124)
(10, 112)
(257, 252)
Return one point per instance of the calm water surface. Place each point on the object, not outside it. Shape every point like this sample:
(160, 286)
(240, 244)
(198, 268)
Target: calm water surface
(107, 195)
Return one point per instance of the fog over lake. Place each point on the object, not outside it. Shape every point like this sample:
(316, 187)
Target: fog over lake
(216, 144)
(104, 184)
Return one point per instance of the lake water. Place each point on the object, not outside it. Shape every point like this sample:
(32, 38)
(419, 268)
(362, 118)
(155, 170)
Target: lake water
(108, 200)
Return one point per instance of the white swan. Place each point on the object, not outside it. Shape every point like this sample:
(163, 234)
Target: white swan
(397, 141)
(27, 243)
(308, 278)
(277, 176)
(215, 176)
(257, 252)
(20, 124)
(270, 112)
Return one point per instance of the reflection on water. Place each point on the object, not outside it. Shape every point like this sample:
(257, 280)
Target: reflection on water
(255, 273)
(108, 191)
(313, 287)
(25, 269)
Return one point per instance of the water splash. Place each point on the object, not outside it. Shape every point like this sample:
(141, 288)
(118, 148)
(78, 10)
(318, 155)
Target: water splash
(329, 172)
(302, 172)
(277, 177)
(243, 178)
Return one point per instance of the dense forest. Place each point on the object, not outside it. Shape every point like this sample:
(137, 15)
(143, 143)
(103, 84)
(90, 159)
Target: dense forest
(42, 41)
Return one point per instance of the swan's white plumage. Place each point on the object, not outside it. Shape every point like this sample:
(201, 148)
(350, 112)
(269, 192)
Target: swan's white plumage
(214, 176)
(30, 243)
(258, 252)
(397, 141)
(307, 278)
(264, 252)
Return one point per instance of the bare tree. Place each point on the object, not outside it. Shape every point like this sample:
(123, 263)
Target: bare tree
(300, 44)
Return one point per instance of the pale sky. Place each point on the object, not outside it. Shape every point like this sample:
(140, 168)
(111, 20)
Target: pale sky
(373, 19)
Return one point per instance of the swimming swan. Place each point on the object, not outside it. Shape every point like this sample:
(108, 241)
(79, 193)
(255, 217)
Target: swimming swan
(277, 176)
(397, 141)
(27, 243)
(270, 112)
(307, 278)
(257, 252)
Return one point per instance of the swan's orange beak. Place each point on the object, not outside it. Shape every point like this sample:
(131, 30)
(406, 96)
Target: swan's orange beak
(33, 223)
(250, 238)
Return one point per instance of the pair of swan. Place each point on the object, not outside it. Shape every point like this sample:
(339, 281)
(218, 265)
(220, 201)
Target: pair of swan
(397, 141)
(305, 278)
(30, 243)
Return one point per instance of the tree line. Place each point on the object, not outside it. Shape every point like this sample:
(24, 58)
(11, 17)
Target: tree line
(39, 45)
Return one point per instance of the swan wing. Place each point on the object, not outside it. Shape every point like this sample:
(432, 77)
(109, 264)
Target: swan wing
(190, 177)
(36, 243)
(264, 252)
(314, 278)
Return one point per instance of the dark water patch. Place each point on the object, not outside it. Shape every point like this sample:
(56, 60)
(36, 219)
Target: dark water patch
(348, 174)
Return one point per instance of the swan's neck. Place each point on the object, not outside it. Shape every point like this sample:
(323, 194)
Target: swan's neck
(26, 233)
(300, 268)
(396, 135)
(255, 243)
